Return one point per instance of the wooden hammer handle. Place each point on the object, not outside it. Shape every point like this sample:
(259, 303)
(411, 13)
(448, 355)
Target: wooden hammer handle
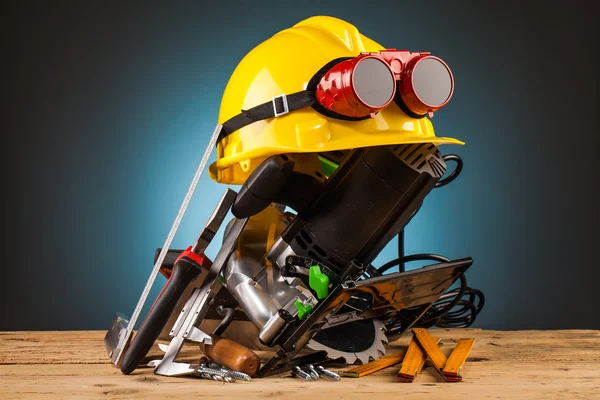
(232, 355)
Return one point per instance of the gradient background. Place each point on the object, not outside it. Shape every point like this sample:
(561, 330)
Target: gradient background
(109, 106)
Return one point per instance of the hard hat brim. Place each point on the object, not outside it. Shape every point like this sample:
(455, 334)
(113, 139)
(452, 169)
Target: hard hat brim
(218, 170)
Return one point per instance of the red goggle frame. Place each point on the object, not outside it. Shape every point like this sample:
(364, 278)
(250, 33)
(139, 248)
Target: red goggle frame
(361, 86)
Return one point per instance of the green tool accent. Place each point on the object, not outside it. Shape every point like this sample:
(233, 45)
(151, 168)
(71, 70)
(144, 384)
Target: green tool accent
(327, 165)
(318, 281)
(303, 310)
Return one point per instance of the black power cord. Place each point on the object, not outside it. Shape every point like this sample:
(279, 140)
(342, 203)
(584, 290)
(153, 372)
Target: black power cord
(457, 308)
(461, 315)
(454, 174)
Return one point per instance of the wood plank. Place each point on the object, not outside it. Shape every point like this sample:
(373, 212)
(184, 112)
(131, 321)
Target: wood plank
(502, 365)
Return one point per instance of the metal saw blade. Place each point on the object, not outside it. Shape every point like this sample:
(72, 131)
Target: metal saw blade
(361, 340)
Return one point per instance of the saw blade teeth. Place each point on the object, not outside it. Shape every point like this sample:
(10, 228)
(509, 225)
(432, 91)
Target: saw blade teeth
(348, 358)
(368, 355)
(340, 356)
(382, 344)
(363, 360)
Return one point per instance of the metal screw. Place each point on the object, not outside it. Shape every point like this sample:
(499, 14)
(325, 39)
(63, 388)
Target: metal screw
(298, 373)
(210, 373)
(206, 376)
(312, 371)
(332, 376)
(235, 374)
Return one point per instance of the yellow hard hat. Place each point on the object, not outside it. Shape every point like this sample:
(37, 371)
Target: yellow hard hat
(284, 64)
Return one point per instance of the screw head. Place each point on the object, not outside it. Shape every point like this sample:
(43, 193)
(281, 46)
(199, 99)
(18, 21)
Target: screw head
(312, 371)
(328, 374)
(299, 373)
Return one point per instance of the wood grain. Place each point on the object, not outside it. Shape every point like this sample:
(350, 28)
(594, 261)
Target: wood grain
(502, 365)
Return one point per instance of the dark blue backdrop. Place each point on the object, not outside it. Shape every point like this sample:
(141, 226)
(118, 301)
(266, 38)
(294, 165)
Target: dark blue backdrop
(112, 103)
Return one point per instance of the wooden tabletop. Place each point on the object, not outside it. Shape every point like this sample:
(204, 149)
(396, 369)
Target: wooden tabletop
(502, 365)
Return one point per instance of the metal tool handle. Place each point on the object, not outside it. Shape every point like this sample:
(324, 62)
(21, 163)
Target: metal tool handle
(184, 272)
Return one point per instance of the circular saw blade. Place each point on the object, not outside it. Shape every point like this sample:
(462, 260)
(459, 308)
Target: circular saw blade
(361, 340)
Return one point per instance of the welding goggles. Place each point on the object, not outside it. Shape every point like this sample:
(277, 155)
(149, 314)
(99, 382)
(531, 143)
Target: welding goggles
(356, 88)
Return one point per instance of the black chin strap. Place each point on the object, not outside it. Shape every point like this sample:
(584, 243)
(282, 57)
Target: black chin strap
(279, 105)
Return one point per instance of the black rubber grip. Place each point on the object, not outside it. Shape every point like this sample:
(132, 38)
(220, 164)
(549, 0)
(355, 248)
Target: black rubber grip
(263, 186)
(184, 272)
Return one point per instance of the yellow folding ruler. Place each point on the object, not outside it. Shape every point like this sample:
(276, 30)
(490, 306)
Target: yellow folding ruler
(457, 358)
(413, 362)
(374, 366)
(424, 346)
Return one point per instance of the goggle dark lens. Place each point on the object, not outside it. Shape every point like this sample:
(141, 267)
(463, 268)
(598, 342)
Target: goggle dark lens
(373, 82)
(432, 82)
